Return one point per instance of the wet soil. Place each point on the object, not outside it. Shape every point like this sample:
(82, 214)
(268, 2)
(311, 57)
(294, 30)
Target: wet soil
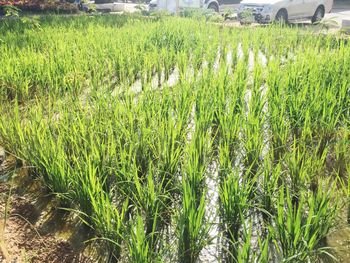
(339, 241)
(32, 229)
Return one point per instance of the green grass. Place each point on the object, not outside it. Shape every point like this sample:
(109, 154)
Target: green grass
(135, 164)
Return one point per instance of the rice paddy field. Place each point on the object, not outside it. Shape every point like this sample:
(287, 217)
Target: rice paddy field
(177, 140)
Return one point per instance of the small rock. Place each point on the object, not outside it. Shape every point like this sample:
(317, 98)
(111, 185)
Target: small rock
(2, 155)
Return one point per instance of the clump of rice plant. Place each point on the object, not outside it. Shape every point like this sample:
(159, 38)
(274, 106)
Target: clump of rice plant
(235, 203)
(301, 228)
(192, 226)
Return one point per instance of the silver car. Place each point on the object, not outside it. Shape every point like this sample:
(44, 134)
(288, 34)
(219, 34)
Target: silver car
(265, 11)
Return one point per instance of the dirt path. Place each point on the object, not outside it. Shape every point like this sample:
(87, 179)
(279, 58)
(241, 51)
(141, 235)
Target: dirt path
(31, 229)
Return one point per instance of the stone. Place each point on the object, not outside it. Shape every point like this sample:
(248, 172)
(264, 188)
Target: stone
(2, 155)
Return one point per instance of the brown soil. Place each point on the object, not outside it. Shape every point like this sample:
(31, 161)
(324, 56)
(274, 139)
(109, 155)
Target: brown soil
(33, 230)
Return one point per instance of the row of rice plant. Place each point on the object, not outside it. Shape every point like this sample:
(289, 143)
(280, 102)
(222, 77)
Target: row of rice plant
(258, 116)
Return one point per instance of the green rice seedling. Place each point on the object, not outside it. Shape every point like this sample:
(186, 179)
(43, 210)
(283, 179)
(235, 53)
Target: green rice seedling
(340, 151)
(138, 245)
(239, 87)
(323, 124)
(184, 66)
(229, 128)
(89, 186)
(252, 146)
(108, 222)
(245, 251)
(279, 131)
(254, 126)
(268, 193)
(170, 149)
(297, 99)
(44, 68)
(265, 253)
(234, 198)
(125, 173)
(37, 144)
(151, 199)
(300, 232)
(297, 165)
(197, 161)
(277, 113)
(192, 228)
(220, 114)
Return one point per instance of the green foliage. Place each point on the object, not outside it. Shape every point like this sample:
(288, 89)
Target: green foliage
(169, 135)
(11, 10)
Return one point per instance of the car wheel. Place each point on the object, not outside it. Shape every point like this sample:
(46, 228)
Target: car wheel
(213, 7)
(319, 14)
(282, 17)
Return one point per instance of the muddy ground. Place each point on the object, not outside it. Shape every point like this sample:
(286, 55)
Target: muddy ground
(31, 228)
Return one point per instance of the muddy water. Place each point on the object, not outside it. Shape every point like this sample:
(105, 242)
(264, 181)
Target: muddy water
(339, 241)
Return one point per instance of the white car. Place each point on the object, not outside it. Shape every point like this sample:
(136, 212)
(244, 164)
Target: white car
(108, 5)
(265, 11)
(171, 5)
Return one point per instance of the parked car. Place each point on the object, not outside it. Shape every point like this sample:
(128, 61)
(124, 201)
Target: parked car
(205, 4)
(265, 11)
(106, 5)
(118, 5)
